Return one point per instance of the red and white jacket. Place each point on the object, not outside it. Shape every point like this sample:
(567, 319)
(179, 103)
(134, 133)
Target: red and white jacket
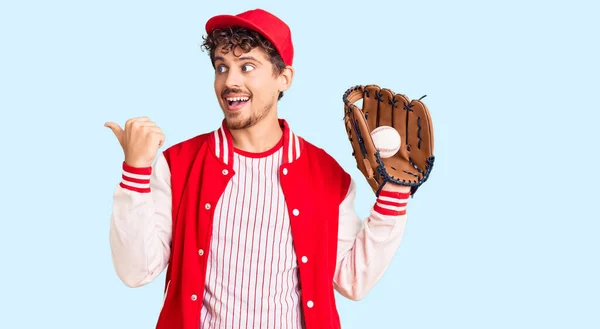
(163, 219)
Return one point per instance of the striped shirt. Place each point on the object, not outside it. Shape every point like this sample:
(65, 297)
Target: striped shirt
(252, 271)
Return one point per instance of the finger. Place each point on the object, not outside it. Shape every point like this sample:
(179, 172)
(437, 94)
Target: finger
(139, 124)
(143, 126)
(348, 119)
(158, 138)
(153, 129)
(386, 108)
(368, 146)
(371, 105)
(358, 152)
(364, 138)
(420, 133)
(131, 121)
(400, 120)
(142, 118)
(116, 129)
(359, 136)
(350, 97)
(112, 125)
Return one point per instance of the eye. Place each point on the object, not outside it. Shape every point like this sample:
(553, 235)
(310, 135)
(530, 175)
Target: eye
(221, 68)
(247, 68)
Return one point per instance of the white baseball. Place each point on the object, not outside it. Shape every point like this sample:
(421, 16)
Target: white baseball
(386, 140)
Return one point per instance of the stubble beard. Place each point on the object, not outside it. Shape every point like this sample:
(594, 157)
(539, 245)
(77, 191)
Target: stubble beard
(233, 123)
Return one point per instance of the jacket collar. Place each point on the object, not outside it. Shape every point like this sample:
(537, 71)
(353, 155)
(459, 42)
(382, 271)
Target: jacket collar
(221, 143)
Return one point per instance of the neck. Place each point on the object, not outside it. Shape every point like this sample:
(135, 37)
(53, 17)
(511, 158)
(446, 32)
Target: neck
(260, 137)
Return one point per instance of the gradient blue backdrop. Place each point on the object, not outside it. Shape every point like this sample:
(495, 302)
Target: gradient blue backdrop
(503, 235)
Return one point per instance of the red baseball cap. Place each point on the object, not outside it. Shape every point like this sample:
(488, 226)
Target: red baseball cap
(268, 25)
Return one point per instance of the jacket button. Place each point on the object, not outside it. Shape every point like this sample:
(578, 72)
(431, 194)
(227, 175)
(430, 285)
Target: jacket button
(295, 212)
(285, 171)
(194, 297)
(200, 252)
(207, 206)
(310, 304)
(304, 259)
(225, 171)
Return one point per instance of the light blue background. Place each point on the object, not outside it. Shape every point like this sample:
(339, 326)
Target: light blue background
(503, 235)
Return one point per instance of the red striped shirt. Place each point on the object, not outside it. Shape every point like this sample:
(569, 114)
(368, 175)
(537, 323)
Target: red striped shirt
(252, 271)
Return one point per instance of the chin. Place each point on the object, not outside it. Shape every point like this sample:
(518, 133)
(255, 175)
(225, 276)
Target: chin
(237, 124)
(234, 119)
(237, 121)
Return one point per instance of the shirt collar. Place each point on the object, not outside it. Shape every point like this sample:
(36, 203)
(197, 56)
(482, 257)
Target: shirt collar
(221, 143)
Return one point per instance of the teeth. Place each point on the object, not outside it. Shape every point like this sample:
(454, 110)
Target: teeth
(237, 99)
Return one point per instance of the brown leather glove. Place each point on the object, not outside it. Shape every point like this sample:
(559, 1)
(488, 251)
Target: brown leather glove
(412, 164)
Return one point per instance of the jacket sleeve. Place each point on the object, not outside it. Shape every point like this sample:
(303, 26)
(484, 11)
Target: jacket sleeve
(366, 248)
(140, 224)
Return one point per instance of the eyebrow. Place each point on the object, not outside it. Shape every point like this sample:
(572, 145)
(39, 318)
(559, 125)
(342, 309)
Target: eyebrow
(241, 58)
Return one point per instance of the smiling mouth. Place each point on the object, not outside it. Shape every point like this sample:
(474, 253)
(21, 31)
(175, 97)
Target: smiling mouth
(237, 101)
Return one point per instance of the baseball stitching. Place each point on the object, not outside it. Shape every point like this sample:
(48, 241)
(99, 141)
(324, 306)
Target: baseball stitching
(385, 149)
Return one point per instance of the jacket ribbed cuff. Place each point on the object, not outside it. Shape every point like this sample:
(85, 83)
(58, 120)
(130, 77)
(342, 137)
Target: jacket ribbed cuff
(391, 203)
(136, 179)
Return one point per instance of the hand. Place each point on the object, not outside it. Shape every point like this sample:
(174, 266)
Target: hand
(140, 140)
(412, 163)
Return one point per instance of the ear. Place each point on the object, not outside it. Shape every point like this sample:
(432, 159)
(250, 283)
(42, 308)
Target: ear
(285, 78)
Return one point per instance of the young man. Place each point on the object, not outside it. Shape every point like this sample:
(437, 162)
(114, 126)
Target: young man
(257, 225)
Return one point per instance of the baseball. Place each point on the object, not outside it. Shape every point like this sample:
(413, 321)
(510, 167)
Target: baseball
(386, 140)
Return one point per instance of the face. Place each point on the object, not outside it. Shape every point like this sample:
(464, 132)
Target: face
(247, 86)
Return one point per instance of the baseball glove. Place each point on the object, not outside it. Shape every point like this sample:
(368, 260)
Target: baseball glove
(412, 164)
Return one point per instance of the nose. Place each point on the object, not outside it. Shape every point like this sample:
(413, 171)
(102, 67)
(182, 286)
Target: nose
(233, 79)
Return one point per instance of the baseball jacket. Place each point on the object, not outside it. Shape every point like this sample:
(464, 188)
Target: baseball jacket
(162, 219)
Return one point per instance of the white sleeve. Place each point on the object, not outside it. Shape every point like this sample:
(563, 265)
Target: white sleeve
(140, 225)
(365, 249)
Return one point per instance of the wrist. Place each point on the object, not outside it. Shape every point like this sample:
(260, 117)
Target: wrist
(136, 178)
(137, 164)
(393, 187)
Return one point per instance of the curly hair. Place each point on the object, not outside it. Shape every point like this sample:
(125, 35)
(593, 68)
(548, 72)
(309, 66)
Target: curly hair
(233, 38)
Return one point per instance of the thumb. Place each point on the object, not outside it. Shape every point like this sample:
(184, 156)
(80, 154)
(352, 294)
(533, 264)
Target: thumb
(116, 129)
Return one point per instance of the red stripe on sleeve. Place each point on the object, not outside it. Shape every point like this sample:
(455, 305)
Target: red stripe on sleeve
(137, 170)
(135, 180)
(388, 212)
(131, 183)
(392, 203)
(135, 189)
(395, 200)
(395, 195)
